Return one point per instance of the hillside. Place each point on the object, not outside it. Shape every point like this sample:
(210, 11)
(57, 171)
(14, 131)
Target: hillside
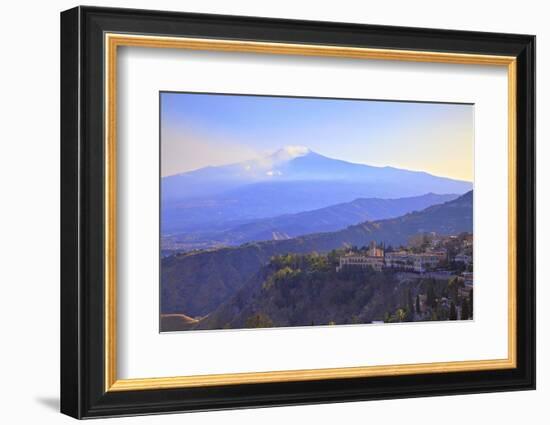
(306, 290)
(197, 283)
(328, 219)
(306, 296)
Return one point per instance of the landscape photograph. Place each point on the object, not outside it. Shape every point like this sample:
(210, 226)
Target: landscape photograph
(279, 211)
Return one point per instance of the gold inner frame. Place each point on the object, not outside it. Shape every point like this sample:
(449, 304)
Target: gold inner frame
(113, 41)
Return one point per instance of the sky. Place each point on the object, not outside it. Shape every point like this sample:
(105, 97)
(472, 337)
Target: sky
(199, 130)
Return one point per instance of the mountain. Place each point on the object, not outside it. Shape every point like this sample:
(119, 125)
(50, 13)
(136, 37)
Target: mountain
(287, 226)
(292, 180)
(218, 179)
(197, 283)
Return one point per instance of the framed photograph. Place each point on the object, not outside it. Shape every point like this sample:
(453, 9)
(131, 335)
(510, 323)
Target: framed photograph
(261, 212)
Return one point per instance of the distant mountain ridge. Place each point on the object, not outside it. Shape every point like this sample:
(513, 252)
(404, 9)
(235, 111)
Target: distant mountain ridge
(332, 218)
(292, 180)
(197, 283)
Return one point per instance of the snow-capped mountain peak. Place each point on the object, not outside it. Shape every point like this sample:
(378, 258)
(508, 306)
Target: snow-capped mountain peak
(289, 152)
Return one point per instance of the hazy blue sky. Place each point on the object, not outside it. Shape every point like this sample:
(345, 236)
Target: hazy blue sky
(204, 129)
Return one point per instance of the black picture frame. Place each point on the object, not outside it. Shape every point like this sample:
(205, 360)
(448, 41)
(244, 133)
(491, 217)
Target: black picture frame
(83, 392)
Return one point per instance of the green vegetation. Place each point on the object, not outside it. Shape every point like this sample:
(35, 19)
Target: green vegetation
(435, 300)
(306, 289)
(259, 321)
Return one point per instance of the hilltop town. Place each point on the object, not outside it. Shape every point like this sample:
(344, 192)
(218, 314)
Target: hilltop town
(428, 257)
(426, 253)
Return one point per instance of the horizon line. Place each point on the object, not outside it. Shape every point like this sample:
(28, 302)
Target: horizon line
(310, 151)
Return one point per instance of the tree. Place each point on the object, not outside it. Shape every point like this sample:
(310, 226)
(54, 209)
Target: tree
(453, 288)
(452, 313)
(410, 303)
(431, 296)
(465, 310)
(417, 304)
(259, 320)
(401, 315)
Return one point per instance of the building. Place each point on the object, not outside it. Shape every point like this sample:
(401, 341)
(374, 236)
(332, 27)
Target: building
(463, 258)
(431, 260)
(468, 240)
(440, 253)
(361, 261)
(468, 278)
(419, 263)
(401, 260)
(374, 259)
(375, 251)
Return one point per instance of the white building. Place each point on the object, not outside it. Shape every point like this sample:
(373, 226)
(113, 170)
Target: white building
(362, 261)
(419, 263)
(401, 260)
